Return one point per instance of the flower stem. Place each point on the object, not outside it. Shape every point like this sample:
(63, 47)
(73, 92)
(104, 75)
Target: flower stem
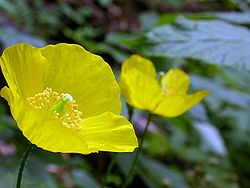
(130, 112)
(133, 165)
(23, 161)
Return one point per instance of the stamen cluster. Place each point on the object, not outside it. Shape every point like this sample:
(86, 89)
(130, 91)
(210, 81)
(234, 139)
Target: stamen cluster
(60, 105)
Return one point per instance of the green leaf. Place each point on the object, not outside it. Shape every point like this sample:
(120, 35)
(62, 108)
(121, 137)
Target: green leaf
(153, 173)
(211, 137)
(235, 17)
(84, 179)
(148, 19)
(212, 41)
(9, 35)
(218, 91)
(156, 174)
(105, 3)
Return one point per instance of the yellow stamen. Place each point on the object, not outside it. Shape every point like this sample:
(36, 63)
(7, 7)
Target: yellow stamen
(61, 106)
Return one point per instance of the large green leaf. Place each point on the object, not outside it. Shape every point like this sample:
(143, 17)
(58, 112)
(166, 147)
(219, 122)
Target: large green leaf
(9, 35)
(220, 92)
(156, 174)
(84, 179)
(235, 17)
(213, 41)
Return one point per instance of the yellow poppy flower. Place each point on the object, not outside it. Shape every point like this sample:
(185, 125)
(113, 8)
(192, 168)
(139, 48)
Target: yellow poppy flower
(167, 97)
(65, 99)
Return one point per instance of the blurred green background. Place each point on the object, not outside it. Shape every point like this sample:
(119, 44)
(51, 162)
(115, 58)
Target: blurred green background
(208, 147)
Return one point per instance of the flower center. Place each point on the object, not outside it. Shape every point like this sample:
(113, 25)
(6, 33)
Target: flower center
(162, 84)
(62, 106)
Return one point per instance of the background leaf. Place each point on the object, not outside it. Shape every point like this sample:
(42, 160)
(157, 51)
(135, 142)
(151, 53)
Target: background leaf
(213, 41)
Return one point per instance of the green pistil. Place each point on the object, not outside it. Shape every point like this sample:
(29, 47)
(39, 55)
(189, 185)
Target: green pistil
(59, 107)
(161, 76)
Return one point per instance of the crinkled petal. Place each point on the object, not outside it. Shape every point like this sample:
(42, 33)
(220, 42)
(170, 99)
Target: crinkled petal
(85, 76)
(140, 90)
(7, 94)
(106, 132)
(175, 81)
(24, 67)
(65, 69)
(141, 64)
(47, 132)
(12, 100)
(174, 105)
(109, 132)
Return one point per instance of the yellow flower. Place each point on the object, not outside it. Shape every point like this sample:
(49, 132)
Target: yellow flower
(167, 97)
(65, 99)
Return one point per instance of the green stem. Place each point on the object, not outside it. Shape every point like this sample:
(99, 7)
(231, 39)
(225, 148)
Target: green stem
(20, 171)
(131, 170)
(130, 112)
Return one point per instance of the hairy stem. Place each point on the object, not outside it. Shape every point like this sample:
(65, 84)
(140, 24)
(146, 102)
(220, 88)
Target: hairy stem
(133, 165)
(21, 168)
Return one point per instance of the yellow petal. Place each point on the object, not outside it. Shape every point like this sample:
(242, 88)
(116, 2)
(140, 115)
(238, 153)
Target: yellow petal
(66, 69)
(85, 76)
(9, 96)
(23, 67)
(109, 132)
(140, 90)
(106, 132)
(174, 105)
(47, 132)
(141, 64)
(175, 81)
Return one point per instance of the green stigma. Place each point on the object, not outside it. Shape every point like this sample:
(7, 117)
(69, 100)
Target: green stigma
(161, 75)
(67, 97)
(59, 107)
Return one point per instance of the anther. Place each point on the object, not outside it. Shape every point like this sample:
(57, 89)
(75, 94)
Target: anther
(61, 106)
